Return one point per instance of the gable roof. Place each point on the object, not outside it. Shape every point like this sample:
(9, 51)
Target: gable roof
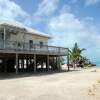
(20, 25)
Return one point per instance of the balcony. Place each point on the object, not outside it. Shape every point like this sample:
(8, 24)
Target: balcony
(21, 47)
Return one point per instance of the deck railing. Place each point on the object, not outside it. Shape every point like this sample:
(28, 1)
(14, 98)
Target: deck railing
(14, 45)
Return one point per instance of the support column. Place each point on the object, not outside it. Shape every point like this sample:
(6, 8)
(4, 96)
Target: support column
(34, 62)
(58, 63)
(23, 64)
(5, 65)
(68, 61)
(27, 63)
(47, 63)
(16, 63)
(42, 64)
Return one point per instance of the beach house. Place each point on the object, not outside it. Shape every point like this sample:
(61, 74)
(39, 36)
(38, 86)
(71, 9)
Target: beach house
(25, 49)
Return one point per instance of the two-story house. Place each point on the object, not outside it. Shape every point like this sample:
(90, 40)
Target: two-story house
(25, 49)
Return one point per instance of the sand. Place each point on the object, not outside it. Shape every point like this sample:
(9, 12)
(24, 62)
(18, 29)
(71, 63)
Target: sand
(82, 84)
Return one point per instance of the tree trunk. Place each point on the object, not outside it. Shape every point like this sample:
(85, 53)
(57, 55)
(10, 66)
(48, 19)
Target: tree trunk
(74, 65)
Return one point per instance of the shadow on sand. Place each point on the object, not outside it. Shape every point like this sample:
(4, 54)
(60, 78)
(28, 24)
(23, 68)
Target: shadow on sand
(6, 75)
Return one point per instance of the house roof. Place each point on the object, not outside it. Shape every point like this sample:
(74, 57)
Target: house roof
(20, 25)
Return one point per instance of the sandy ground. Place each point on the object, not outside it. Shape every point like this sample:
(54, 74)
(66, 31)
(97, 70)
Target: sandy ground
(75, 85)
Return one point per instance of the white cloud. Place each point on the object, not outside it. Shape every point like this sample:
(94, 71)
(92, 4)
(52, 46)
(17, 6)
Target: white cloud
(10, 10)
(87, 2)
(67, 29)
(91, 2)
(45, 9)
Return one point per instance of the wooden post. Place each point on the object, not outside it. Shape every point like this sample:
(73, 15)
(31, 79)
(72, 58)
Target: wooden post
(5, 65)
(42, 64)
(23, 64)
(30, 61)
(58, 63)
(68, 60)
(34, 62)
(47, 63)
(4, 37)
(27, 63)
(16, 63)
(24, 41)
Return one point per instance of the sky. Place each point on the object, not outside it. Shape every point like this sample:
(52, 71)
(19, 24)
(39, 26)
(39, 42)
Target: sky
(67, 21)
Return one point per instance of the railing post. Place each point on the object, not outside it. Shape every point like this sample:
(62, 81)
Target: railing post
(4, 43)
(16, 45)
(34, 45)
(23, 45)
(47, 48)
(59, 50)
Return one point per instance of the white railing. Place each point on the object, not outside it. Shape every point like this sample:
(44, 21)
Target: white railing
(14, 45)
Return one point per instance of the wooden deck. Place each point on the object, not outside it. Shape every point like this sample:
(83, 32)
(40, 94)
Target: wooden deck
(21, 56)
(26, 48)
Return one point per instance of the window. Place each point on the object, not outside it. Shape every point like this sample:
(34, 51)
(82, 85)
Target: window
(31, 43)
(1, 36)
(8, 36)
(41, 44)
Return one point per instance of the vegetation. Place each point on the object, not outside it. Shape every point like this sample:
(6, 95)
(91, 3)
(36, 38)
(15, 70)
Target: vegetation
(76, 58)
(61, 61)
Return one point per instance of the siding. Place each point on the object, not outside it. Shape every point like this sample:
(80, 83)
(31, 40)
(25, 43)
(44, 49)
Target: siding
(21, 38)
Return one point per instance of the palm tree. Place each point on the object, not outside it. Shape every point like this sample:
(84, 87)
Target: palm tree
(75, 54)
(85, 61)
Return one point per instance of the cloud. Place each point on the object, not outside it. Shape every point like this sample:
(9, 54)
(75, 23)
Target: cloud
(45, 9)
(91, 2)
(87, 2)
(10, 10)
(67, 29)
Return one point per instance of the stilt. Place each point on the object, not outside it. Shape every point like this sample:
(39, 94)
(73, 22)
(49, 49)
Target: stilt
(16, 63)
(34, 62)
(42, 64)
(56, 63)
(47, 65)
(68, 61)
(59, 65)
(5, 65)
(27, 63)
(23, 64)
(30, 61)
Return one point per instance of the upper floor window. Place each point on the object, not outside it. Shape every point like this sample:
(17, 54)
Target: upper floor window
(1, 36)
(31, 43)
(41, 43)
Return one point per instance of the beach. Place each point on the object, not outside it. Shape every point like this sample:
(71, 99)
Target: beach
(81, 84)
